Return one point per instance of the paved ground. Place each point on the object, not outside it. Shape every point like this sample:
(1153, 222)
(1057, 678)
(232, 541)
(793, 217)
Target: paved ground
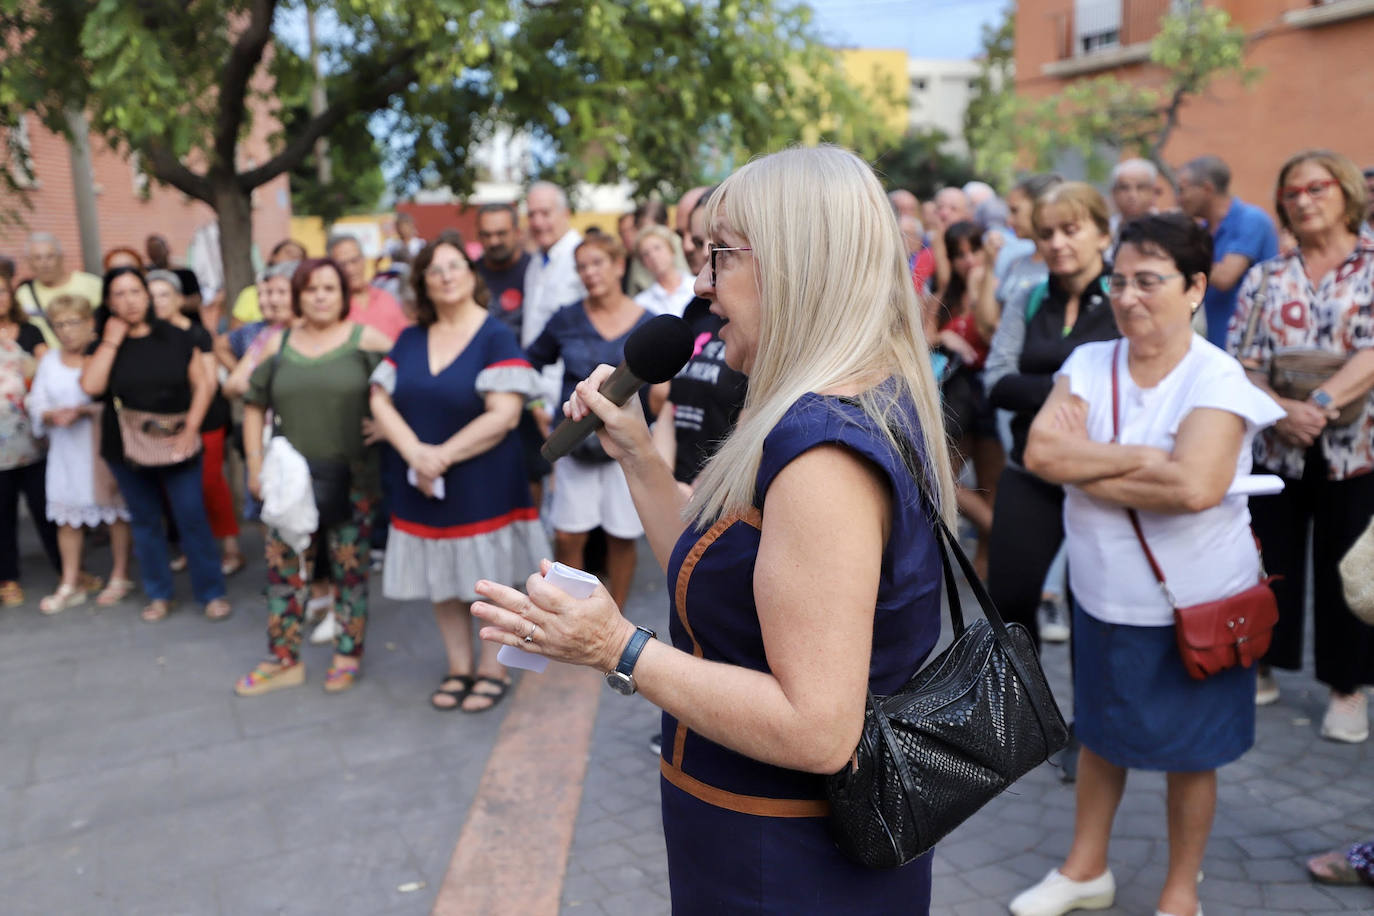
(133, 781)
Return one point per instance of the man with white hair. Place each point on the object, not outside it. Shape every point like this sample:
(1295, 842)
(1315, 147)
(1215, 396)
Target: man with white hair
(1135, 190)
(951, 206)
(551, 280)
(978, 193)
(51, 279)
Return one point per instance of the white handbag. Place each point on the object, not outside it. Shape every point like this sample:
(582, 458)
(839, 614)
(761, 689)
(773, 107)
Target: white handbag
(1357, 575)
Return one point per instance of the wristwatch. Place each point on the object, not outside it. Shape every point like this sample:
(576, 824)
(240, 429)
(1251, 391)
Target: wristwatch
(622, 679)
(1321, 399)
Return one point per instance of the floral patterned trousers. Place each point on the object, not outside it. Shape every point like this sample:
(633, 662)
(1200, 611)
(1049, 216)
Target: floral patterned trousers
(288, 586)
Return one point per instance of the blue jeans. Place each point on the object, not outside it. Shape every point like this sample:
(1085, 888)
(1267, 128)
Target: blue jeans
(142, 488)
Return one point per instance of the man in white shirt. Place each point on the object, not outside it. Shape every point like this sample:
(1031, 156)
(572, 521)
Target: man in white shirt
(51, 279)
(551, 280)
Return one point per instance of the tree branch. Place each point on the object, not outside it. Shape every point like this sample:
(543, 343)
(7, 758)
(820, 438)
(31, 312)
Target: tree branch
(1171, 113)
(233, 89)
(169, 170)
(375, 85)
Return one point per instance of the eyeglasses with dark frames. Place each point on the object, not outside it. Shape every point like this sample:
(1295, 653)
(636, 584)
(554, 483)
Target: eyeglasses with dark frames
(712, 251)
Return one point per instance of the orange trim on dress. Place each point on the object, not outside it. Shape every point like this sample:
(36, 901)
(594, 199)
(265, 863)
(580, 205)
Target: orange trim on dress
(754, 519)
(756, 805)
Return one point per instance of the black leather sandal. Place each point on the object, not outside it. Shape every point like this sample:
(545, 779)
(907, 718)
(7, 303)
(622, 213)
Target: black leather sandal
(465, 687)
(502, 688)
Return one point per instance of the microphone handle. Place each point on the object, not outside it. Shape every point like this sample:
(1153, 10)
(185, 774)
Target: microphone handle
(619, 387)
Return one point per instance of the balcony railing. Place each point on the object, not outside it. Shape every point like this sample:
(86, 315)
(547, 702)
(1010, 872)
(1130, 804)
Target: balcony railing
(1094, 26)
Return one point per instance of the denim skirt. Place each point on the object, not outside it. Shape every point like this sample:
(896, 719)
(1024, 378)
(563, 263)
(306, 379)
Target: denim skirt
(1136, 706)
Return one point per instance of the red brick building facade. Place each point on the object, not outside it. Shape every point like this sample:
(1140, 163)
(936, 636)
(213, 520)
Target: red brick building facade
(126, 215)
(1315, 90)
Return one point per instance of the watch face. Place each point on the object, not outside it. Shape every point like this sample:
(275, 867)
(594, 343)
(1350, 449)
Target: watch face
(621, 683)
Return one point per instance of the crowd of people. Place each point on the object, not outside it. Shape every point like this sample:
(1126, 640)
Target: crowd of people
(1085, 378)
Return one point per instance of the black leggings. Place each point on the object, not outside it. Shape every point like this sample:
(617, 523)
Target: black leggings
(1027, 530)
(1338, 510)
(29, 480)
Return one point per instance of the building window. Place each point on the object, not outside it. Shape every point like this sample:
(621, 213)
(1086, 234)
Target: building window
(1097, 25)
(919, 83)
(140, 177)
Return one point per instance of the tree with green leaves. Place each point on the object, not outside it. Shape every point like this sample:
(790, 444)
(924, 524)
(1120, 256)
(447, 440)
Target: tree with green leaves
(993, 103)
(922, 164)
(1195, 45)
(608, 89)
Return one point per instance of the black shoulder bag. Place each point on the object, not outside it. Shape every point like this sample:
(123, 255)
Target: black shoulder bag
(331, 481)
(966, 726)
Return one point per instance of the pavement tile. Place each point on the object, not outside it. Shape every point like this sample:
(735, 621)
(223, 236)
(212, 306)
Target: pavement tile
(61, 808)
(339, 876)
(636, 903)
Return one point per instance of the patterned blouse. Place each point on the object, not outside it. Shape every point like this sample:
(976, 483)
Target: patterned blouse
(1336, 315)
(18, 445)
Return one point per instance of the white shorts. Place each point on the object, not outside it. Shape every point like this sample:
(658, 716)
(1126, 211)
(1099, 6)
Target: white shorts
(589, 495)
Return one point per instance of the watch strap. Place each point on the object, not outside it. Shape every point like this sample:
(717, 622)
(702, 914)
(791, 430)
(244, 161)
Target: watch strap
(630, 656)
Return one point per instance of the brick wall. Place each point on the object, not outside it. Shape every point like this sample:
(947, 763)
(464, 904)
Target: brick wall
(125, 216)
(1314, 91)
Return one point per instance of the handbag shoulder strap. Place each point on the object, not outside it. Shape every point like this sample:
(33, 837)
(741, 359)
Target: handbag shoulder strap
(276, 361)
(1257, 307)
(1131, 513)
(272, 377)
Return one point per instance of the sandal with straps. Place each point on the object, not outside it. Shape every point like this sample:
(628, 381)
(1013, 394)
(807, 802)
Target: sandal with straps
(268, 676)
(502, 687)
(66, 596)
(114, 592)
(11, 594)
(156, 610)
(218, 609)
(340, 678)
(464, 682)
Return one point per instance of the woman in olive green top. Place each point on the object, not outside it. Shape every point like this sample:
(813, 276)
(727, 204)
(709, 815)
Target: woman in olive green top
(319, 394)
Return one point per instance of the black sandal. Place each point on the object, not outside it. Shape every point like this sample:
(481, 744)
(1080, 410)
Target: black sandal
(464, 681)
(497, 697)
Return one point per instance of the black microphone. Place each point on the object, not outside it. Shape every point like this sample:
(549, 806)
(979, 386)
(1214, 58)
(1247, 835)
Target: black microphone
(654, 353)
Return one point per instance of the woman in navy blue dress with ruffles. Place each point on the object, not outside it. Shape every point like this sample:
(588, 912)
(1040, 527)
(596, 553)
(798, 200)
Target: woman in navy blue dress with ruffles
(803, 571)
(448, 398)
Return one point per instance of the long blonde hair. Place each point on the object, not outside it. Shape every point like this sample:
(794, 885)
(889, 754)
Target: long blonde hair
(836, 303)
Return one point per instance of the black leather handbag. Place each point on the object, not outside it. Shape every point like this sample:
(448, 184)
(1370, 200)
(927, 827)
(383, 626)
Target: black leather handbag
(965, 727)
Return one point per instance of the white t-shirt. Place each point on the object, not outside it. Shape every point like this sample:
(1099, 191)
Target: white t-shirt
(661, 301)
(1205, 555)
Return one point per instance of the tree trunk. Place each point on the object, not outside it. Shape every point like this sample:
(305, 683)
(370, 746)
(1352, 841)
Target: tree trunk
(234, 207)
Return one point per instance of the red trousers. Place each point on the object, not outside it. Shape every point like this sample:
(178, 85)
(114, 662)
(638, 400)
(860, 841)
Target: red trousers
(219, 502)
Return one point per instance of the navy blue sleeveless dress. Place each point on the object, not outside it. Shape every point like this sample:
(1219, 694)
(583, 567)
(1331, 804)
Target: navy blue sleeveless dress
(748, 837)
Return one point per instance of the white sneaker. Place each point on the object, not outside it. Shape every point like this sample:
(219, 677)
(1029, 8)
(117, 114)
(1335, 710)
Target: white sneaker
(1053, 620)
(317, 607)
(1162, 913)
(1266, 689)
(1347, 718)
(1057, 894)
(327, 631)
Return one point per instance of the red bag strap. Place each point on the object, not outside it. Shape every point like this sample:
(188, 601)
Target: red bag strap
(1135, 519)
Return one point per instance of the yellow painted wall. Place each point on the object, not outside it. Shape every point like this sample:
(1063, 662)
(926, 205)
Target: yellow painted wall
(873, 69)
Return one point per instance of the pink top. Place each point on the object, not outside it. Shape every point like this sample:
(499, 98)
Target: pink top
(382, 312)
